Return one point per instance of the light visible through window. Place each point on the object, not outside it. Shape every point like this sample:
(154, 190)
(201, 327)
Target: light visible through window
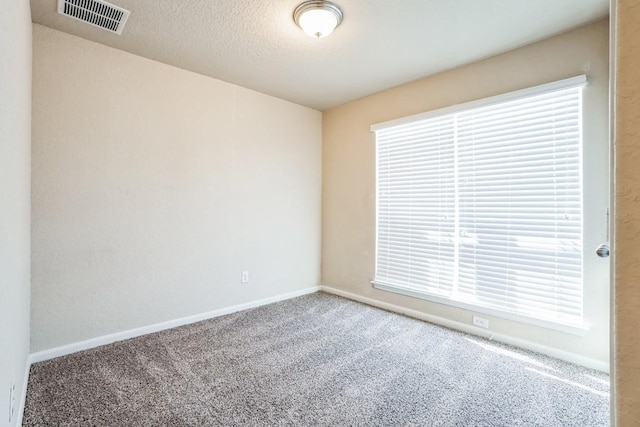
(480, 205)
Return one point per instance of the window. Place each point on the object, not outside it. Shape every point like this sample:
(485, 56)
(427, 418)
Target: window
(480, 205)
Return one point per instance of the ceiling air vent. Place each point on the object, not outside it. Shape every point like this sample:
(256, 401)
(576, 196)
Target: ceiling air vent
(98, 13)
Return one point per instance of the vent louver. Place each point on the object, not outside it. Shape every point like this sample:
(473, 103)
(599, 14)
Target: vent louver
(98, 13)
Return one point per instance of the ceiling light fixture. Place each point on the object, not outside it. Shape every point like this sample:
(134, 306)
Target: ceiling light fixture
(317, 18)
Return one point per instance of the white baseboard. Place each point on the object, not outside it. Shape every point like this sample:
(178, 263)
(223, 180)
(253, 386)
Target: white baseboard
(52, 353)
(503, 338)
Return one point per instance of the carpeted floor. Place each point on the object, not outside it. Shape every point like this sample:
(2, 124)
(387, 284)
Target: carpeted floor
(317, 360)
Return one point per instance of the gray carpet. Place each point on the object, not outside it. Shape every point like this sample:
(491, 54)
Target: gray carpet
(317, 360)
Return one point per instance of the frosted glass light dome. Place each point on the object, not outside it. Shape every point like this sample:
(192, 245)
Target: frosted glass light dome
(317, 18)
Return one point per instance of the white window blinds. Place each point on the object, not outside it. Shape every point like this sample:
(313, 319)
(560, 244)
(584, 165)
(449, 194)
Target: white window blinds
(416, 206)
(483, 205)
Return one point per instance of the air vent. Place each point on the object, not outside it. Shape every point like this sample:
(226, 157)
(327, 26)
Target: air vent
(95, 12)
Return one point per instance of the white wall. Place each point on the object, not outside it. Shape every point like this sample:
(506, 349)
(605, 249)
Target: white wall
(15, 167)
(348, 232)
(153, 187)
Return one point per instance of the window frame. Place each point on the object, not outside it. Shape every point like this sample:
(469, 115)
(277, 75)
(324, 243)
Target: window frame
(569, 83)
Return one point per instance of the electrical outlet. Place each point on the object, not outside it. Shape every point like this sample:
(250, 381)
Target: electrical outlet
(12, 400)
(481, 321)
(245, 277)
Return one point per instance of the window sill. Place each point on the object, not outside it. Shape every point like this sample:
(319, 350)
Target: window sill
(579, 330)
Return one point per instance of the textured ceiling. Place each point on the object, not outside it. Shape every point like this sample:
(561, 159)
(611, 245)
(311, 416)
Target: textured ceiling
(380, 44)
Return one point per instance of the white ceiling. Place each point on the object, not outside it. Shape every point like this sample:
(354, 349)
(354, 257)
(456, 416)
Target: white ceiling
(380, 44)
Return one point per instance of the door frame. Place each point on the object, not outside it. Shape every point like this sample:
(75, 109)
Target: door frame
(612, 205)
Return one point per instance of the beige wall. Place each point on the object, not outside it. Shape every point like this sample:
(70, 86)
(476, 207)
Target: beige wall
(154, 187)
(15, 167)
(348, 248)
(627, 214)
